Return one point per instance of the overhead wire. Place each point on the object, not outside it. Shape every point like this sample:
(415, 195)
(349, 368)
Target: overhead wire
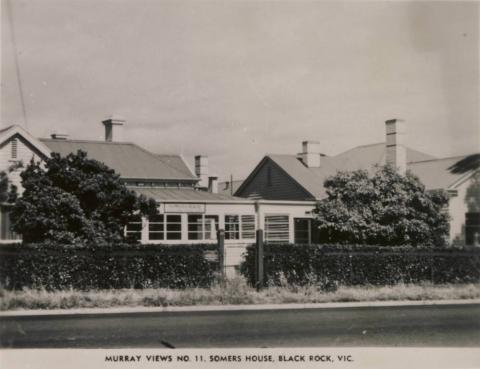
(17, 64)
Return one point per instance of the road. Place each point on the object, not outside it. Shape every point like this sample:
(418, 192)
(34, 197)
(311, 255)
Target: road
(402, 326)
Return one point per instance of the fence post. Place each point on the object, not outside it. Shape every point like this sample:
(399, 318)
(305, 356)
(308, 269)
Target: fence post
(221, 253)
(432, 270)
(259, 260)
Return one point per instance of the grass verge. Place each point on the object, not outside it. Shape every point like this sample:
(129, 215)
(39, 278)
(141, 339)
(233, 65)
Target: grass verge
(233, 292)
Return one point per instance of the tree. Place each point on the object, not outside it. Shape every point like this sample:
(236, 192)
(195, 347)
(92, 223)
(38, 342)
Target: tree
(8, 191)
(383, 209)
(75, 199)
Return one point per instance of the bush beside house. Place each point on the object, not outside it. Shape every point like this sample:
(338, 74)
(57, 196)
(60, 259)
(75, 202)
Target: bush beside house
(52, 266)
(331, 265)
(386, 208)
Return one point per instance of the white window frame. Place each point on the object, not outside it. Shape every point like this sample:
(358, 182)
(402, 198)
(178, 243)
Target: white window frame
(242, 222)
(288, 223)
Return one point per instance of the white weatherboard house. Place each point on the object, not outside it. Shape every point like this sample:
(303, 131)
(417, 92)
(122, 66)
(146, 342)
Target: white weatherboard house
(191, 209)
(300, 177)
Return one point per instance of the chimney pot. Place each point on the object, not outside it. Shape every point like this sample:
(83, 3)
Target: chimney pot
(201, 170)
(396, 152)
(114, 128)
(311, 154)
(213, 184)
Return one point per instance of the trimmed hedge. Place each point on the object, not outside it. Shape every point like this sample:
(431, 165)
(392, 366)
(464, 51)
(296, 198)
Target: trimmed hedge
(331, 265)
(56, 267)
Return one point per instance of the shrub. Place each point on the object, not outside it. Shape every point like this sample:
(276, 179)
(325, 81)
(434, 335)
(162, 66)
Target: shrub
(331, 265)
(384, 208)
(53, 267)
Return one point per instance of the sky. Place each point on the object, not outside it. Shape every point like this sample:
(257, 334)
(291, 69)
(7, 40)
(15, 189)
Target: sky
(235, 80)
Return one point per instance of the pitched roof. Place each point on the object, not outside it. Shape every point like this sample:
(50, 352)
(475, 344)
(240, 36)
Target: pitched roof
(170, 194)
(434, 173)
(444, 173)
(228, 187)
(127, 159)
(12, 130)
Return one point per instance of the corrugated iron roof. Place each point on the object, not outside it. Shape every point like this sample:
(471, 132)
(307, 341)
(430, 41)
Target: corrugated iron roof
(127, 159)
(434, 173)
(171, 194)
(440, 173)
(228, 187)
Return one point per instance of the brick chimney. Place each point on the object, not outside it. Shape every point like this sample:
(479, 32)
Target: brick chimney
(310, 154)
(396, 152)
(114, 128)
(201, 170)
(213, 184)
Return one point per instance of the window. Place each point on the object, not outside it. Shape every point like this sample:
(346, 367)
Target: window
(133, 230)
(302, 230)
(232, 227)
(202, 227)
(237, 227)
(14, 148)
(276, 228)
(248, 226)
(195, 227)
(165, 227)
(156, 227)
(211, 227)
(174, 227)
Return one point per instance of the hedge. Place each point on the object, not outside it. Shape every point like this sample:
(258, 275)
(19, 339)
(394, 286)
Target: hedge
(331, 265)
(55, 267)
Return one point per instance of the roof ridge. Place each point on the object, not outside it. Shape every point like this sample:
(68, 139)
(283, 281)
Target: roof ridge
(88, 141)
(8, 127)
(439, 159)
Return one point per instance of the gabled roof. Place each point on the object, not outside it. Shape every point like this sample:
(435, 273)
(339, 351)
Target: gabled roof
(434, 173)
(10, 131)
(171, 194)
(127, 159)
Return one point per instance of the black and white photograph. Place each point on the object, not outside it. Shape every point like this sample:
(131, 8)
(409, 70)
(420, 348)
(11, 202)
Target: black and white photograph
(239, 184)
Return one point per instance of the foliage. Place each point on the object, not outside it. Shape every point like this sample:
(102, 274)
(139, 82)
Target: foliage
(328, 266)
(472, 197)
(234, 291)
(8, 191)
(75, 199)
(57, 267)
(384, 209)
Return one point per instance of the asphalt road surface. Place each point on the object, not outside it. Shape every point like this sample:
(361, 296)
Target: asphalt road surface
(406, 326)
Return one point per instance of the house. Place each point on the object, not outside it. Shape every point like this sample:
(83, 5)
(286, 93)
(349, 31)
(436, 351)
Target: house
(300, 177)
(191, 209)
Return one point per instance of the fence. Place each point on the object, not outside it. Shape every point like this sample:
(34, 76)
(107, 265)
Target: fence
(331, 265)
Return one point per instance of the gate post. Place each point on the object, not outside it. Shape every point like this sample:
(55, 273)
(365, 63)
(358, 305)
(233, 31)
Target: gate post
(221, 253)
(259, 260)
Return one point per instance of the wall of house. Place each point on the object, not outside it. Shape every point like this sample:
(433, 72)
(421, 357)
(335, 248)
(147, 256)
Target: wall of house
(234, 248)
(24, 153)
(457, 208)
(272, 183)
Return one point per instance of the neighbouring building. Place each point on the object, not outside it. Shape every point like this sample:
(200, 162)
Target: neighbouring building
(300, 177)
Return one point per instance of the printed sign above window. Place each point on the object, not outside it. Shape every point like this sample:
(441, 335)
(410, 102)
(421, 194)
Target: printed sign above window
(185, 208)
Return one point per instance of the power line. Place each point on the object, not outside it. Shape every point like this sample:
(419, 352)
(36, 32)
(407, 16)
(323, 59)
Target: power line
(17, 65)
